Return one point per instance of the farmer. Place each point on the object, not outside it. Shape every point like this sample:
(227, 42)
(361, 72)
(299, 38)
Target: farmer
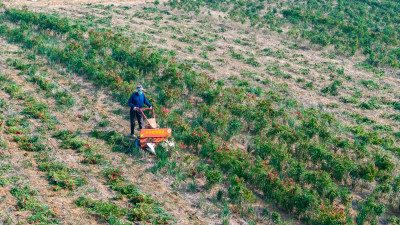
(136, 101)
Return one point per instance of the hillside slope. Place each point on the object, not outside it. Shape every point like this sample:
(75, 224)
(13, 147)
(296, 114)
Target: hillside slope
(270, 126)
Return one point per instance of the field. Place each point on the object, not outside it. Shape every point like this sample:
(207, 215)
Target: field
(283, 112)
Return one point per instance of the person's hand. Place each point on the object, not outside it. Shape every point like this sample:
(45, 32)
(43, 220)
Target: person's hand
(151, 107)
(135, 108)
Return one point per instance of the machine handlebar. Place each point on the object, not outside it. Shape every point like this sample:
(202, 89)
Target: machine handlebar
(143, 109)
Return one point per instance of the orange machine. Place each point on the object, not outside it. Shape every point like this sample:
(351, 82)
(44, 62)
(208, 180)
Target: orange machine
(152, 135)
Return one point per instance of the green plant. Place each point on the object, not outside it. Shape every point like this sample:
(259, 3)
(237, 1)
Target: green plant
(309, 85)
(333, 88)
(276, 217)
(144, 207)
(58, 174)
(396, 105)
(26, 200)
(210, 48)
(239, 193)
(373, 103)
(370, 209)
(90, 158)
(109, 212)
(28, 143)
(384, 162)
(197, 136)
(213, 177)
(395, 116)
(367, 172)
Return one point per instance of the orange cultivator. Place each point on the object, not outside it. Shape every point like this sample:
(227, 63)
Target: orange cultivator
(152, 135)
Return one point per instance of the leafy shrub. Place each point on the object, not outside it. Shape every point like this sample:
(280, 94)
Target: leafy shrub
(213, 177)
(90, 158)
(65, 135)
(395, 116)
(35, 109)
(331, 215)
(396, 105)
(373, 103)
(28, 143)
(197, 136)
(239, 193)
(369, 84)
(234, 127)
(113, 176)
(276, 217)
(309, 85)
(210, 48)
(367, 172)
(253, 62)
(64, 98)
(333, 88)
(345, 196)
(370, 209)
(14, 90)
(384, 162)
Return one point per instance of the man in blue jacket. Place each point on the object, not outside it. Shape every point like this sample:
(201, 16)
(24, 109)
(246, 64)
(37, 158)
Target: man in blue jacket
(136, 101)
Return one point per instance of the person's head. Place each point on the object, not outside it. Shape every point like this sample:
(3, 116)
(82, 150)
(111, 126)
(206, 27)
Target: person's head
(140, 89)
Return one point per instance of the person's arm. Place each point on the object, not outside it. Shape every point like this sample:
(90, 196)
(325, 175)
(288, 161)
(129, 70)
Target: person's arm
(130, 101)
(146, 102)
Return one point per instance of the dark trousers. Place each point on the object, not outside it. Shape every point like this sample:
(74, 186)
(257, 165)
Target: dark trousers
(136, 115)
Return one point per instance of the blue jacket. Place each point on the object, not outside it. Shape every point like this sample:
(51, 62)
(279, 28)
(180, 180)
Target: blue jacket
(137, 100)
